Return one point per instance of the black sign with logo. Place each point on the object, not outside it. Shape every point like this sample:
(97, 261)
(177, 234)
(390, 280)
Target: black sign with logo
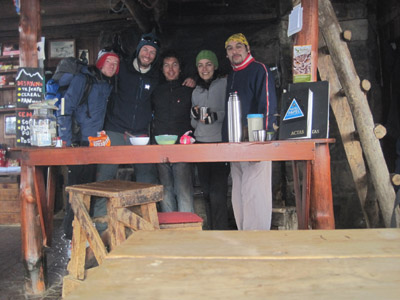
(23, 128)
(29, 85)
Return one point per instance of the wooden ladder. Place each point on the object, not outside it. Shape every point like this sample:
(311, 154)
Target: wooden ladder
(350, 106)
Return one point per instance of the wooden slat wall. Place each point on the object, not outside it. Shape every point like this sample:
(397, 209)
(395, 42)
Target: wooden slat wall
(10, 205)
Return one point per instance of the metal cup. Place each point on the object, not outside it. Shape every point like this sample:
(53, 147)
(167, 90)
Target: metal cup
(261, 135)
(270, 136)
(255, 135)
(203, 112)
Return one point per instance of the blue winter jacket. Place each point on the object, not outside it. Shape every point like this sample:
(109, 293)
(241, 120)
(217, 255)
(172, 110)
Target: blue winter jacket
(90, 115)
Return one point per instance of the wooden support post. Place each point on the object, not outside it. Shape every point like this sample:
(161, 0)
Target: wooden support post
(50, 199)
(309, 36)
(321, 203)
(115, 228)
(28, 33)
(309, 33)
(350, 82)
(31, 235)
(32, 239)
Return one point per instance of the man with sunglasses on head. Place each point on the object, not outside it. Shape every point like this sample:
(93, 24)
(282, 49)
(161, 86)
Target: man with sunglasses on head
(251, 181)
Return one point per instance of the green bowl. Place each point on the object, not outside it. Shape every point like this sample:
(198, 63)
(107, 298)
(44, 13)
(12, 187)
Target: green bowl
(166, 139)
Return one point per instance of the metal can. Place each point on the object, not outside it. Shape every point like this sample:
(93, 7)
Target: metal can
(203, 112)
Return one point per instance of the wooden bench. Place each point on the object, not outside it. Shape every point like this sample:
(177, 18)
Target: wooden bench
(131, 204)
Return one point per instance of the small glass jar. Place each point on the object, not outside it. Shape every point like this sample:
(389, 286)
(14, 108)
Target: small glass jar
(43, 127)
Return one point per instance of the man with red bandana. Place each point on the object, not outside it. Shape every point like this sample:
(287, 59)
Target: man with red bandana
(251, 181)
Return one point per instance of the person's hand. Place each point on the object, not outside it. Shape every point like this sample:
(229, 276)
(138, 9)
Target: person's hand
(210, 118)
(189, 82)
(194, 111)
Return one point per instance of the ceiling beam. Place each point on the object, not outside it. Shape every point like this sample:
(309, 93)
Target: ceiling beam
(221, 19)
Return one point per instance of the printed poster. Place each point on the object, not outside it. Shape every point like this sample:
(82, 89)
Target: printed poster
(302, 63)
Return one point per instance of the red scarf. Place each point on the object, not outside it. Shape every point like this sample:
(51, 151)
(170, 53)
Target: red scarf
(249, 59)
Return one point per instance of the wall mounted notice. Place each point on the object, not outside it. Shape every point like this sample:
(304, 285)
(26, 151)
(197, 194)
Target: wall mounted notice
(29, 82)
(23, 128)
(302, 63)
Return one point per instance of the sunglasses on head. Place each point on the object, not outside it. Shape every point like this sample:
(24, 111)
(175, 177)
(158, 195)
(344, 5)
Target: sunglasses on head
(150, 39)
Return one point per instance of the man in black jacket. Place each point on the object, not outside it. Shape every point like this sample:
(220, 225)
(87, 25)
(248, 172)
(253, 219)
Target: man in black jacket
(171, 103)
(129, 108)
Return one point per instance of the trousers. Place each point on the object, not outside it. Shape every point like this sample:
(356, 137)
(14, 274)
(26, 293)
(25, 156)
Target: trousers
(252, 194)
(178, 187)
(214, 185)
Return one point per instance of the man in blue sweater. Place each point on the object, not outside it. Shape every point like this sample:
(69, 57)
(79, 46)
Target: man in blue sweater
(251, 181)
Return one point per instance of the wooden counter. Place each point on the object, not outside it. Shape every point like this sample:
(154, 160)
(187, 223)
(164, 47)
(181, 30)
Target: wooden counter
(310, 157)
(316, 264)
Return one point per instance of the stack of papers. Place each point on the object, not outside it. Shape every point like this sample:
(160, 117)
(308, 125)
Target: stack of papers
(295, 20)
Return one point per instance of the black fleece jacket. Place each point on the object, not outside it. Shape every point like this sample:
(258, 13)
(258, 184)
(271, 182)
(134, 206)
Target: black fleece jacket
(171, 104)
(130, 107)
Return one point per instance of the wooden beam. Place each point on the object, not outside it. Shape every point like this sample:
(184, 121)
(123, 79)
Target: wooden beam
(309, 33)
(32, 239)
(350, 82)
(139, 15)
(80, 205)
(133, 220)
(33, 255)
(222, 19)
(59, 21)
(277, 150)
(28, 33)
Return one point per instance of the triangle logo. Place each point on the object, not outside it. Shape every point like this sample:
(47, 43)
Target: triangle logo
(294, 111)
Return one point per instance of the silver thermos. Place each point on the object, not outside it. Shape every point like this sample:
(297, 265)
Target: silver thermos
(234, 118)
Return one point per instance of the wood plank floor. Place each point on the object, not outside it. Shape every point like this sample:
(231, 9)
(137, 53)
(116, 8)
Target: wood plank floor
(340, 264)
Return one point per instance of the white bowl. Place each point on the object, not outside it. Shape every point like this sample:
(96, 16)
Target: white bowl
(139, 140)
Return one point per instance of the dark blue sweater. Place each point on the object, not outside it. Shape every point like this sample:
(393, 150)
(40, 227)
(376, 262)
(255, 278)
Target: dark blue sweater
(255, 86)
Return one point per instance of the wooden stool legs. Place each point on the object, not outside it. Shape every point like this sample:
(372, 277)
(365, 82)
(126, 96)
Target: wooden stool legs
(83, 229)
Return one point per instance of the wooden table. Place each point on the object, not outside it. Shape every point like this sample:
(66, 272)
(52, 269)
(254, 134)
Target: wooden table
(38, 190)
(314, 264)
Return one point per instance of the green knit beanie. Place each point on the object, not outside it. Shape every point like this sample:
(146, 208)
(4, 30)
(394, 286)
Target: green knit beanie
(207, 54)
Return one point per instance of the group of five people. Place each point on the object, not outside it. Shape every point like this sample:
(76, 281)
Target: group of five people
(141, 102)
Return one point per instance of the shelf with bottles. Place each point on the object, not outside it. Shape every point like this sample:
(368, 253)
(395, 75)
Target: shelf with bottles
(9, 57)
(7, 109)
(7, 80)
(8, 71)
(7, 87)
(9, 65)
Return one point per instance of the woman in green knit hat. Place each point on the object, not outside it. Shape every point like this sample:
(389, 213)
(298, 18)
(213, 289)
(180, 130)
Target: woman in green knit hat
(209, 97)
